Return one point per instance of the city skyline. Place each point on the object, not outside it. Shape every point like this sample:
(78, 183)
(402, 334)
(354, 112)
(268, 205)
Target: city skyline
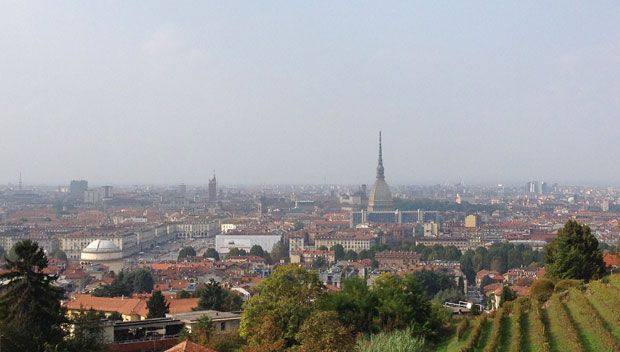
(294, 94)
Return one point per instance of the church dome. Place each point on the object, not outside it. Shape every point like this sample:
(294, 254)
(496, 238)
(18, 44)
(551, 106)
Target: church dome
(101, 246)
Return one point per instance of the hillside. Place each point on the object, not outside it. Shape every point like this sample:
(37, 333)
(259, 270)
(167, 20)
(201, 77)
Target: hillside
(586, 319)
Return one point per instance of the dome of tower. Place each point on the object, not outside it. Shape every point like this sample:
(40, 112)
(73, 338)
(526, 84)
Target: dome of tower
(380, 198)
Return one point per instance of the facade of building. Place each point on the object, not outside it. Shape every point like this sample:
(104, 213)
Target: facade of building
(349, 241)
(245, 240)
(472, 221)
(398, 260)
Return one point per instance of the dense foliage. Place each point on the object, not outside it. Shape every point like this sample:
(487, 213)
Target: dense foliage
(574, 254)
(499, 257)
(157, 305)
(127, 283)
(30, 311)
(211, 253)
(215, 297)
(186, 252)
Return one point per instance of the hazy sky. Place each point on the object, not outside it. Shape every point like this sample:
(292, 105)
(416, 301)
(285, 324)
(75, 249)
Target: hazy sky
(140, 92)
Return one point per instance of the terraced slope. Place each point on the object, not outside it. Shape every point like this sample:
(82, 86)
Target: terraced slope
(580, 319)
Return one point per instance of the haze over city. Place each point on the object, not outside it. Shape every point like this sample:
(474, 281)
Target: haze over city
(296, 92)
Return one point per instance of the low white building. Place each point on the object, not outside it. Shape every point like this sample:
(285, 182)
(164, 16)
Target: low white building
(245, 240)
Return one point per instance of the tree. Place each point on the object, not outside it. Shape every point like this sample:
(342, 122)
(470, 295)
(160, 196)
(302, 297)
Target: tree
(507, 295)
(402, 304)
(298, 225)
(542, 289)
(434, 281)
(87, 332)
(287, 298)
(257, 251)
(186, 252)
(30, 310)
(157, 305)
(338, 250)
(141, 281)
(115, 316)
(351, 255)
(212, 253)
(183, 294)
(235, 252)
(322, 331)
(498, 264)
(355, 304)
(319, 262)
(215, 297)
(60, 255)
(574, 254)
(323, 248)
(279, 252)
(453, 295)
(124, 284)
(202, 331)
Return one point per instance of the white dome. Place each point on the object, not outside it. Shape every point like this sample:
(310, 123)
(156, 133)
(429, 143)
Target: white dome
(101, 246)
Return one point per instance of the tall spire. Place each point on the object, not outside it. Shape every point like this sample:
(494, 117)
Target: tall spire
(380, 170)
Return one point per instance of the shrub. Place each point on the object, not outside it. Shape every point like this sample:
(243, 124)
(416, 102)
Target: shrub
(537, 327)
(461, 328)
(515, 345)
(497, 324)
(396, 341)
(542, 289)
(564, 285)
(470, 345)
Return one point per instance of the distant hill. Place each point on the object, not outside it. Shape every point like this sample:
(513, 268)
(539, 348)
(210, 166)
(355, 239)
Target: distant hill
(585, 318)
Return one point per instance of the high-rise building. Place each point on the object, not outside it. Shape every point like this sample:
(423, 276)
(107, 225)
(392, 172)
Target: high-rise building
(212, 189)
(380, 198)
(77, 188)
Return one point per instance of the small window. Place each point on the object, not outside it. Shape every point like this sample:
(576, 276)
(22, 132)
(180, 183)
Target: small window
(223, 326)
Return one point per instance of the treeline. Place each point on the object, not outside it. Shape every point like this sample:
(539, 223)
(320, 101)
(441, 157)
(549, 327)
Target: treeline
(443, 205)
(499, 257)
(126, 284)
(294, 310)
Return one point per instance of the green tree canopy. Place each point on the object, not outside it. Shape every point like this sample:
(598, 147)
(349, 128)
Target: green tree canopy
(322, 331)
(30, 310)
(286, 299)
(60, 255)
(87, 332)
(351, 255)
(355, 304)
(402, 304)
(186, 252)
(279, 252)
(215, 297)
(126, 283)
(157, 305)
(234, 252)
(574, 254)
(339, 252)
(257, 251)
(212, 253)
